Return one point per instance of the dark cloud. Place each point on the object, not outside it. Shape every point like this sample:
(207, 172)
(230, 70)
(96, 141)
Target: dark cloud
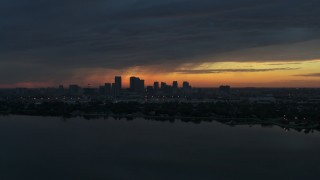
(213, 71)
(53, 38)
(287, 63)
(309, 75)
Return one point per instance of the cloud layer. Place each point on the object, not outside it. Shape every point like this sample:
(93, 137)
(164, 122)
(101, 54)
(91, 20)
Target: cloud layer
(214, 71)
(52, 39)
(309, 75)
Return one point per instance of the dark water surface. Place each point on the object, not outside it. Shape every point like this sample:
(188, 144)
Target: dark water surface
(51, 148)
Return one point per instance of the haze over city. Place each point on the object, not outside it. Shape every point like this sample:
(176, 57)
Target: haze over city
(243, 43)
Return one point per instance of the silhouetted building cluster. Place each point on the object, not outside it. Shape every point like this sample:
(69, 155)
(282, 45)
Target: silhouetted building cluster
(137, 90)
(112, 89)
(225, 88)
(136, 85)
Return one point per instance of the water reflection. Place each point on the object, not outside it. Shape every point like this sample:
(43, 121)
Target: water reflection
(126, 148)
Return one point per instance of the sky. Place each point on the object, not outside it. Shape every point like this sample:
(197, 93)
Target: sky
(243, 43)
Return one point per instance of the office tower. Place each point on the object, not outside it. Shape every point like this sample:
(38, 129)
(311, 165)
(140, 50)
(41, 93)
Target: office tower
(133, 81)
(185, 85)
(113, 89)
(175, 87)
(136, 85)
(175, 84)
(156, 86)
(141, 86)
(118, 82)
(118, 85)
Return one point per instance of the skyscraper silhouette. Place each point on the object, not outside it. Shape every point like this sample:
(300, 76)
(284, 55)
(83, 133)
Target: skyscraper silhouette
(136, 84)
(118, 85)
(175, 84)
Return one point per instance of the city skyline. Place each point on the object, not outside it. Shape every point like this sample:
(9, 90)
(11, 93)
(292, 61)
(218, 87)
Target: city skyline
(199, 83)
(135, 84)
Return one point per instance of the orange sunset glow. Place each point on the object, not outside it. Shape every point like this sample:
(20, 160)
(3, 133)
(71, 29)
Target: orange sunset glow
(268, 74)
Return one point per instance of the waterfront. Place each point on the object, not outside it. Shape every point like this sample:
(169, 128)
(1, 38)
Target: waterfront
(76, 148)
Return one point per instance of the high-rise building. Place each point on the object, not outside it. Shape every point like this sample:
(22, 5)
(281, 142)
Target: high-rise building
(118, 85)
(133, 81)
(141, 86)
(113, 89)
(118, 82)
(175, 84)
(136, 84)
(185, 85)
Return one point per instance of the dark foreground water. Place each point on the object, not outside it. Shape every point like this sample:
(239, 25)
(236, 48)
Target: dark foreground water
(51, 148)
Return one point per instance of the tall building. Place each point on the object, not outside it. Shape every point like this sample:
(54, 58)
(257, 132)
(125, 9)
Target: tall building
(136, 84)
(113, 89)
(175, 85)
(185, 85)
(141, 86)
(133, 83)
(118, 82)
(118, 85)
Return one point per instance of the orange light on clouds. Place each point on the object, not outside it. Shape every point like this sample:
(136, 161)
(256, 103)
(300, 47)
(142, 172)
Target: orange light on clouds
(236, 74)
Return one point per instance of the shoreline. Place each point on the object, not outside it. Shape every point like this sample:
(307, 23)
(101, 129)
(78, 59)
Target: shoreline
(224, 120)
